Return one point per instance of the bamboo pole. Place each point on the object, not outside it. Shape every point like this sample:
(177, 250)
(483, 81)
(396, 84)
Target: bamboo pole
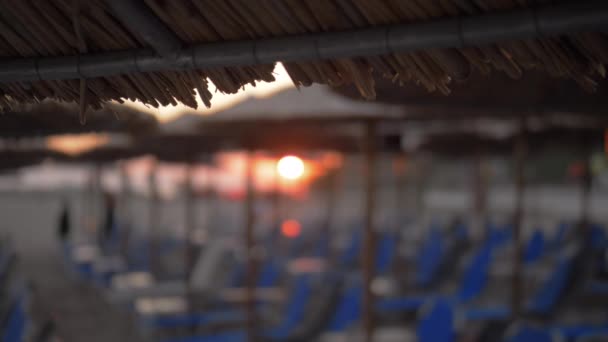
(250, 248)
(520, 151)
(369, 241)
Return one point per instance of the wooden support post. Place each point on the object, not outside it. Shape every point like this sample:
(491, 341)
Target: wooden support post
(250, 248)
(517, 290)
(369, 240)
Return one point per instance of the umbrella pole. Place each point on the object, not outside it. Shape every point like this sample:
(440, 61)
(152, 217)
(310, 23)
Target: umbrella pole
(400, 183)
(88, 208)
(154, 224)
(586, 185)
(125, 209)
(520, 150)
(190, 221)
(96, 204)
(479, 196)
(330, 193)
(250, 248)
(369, 241)
(276, 211)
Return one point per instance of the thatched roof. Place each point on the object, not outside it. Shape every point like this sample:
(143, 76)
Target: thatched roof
(55, 28)
(52, 118)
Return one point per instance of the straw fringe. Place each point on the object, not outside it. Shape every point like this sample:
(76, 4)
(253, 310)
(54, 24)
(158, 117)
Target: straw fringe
(44, 28)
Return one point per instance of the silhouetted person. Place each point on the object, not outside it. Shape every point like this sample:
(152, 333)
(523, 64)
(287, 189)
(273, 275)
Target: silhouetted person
(64, 228)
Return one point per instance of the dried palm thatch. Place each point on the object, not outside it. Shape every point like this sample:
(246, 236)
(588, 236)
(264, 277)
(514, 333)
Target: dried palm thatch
(55, 28)
(53, 118)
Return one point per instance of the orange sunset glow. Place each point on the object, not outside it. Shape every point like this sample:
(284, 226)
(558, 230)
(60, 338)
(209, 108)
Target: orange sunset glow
(231, 167)
(74, 144)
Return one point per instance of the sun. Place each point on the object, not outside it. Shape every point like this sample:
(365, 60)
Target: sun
(290, 167)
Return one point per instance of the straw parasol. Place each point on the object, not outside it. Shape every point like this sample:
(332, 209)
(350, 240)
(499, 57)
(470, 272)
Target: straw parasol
(495, 95)
(11, 159)
(54, 118)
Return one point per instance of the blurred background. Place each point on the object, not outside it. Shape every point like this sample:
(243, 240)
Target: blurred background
(303, 171)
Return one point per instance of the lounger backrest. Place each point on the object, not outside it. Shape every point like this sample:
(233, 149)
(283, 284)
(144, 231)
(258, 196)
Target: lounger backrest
(599, 238)
(211, 263)
(499, 236)
(294, 245)
(529, 334)
(560, 235)
(535, 248)
(461, 232)
(16, 324)
(385, 252)
(348, 309)
(269, 275)
(296, 307)
(475, 276)
(429, 258)
(554, 287)
(437, 325)
(353, 250)
(321, 249)
(237, 275)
